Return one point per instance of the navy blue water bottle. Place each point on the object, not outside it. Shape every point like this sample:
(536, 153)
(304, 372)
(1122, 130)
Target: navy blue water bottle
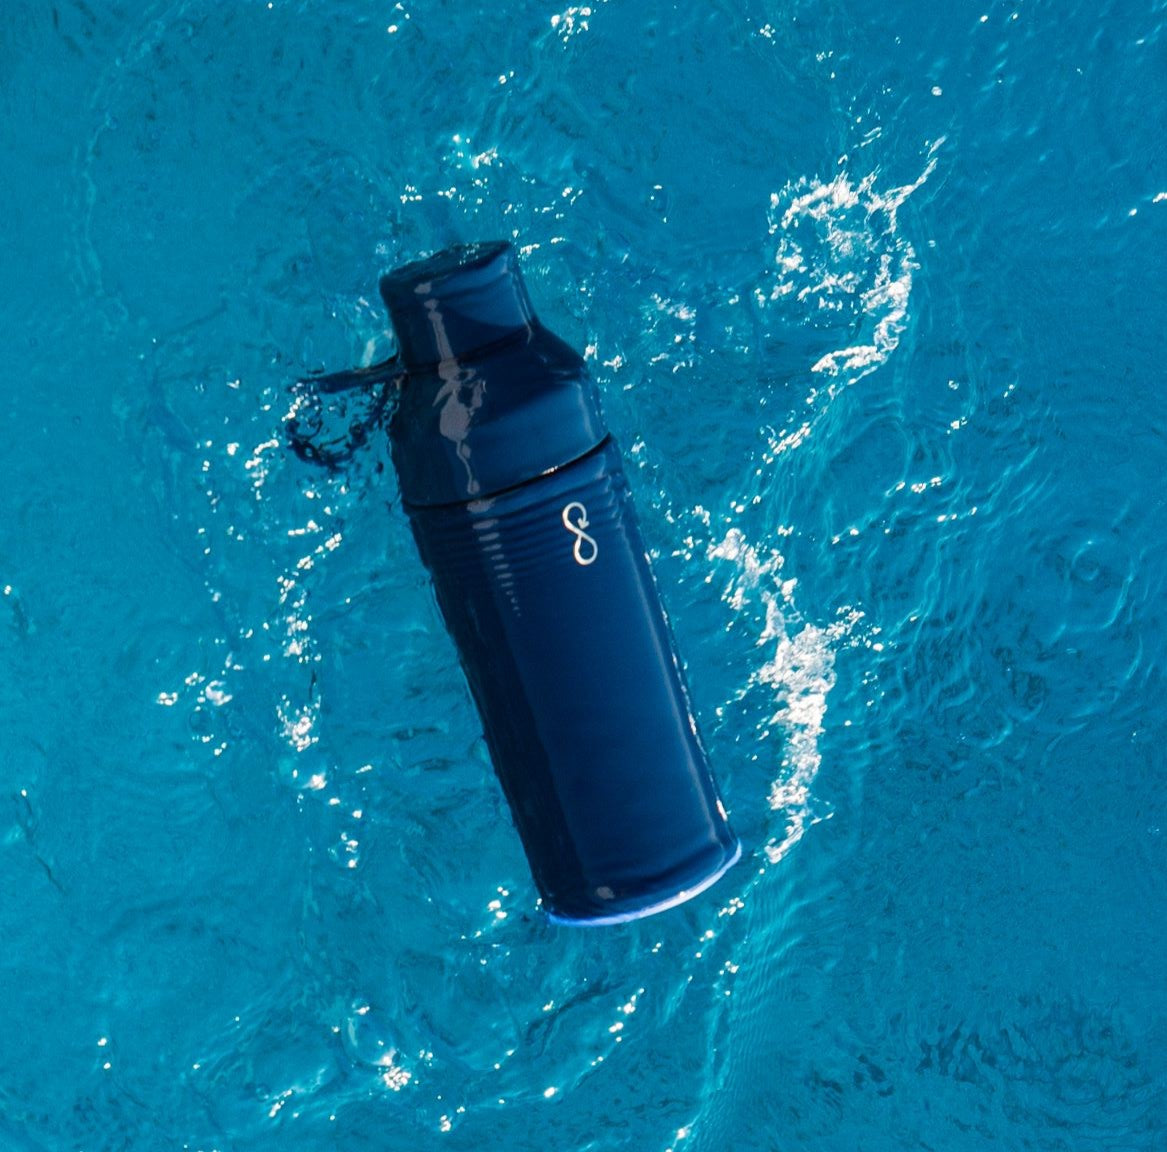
(522, 514)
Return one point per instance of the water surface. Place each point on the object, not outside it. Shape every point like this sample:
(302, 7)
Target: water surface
(875, 301)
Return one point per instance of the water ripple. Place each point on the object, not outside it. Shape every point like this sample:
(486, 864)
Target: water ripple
(277, 897)
(842, 260)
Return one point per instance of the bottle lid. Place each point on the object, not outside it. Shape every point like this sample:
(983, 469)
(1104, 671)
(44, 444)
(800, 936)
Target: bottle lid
(456, 302)
(491, 398)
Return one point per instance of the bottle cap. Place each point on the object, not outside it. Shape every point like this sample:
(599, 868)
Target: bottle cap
(491, 398)
(457, 302)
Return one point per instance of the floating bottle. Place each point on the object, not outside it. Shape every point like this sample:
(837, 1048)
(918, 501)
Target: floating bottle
(523, 516)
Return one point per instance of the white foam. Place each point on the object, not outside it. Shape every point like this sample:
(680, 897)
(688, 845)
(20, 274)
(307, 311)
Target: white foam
(799, 673)
(840, 254)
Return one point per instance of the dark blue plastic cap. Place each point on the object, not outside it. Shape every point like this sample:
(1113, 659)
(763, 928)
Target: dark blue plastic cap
(457, 302)
(491, 398)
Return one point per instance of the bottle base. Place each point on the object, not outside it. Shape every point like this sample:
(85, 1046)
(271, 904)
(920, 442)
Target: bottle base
(651, 909)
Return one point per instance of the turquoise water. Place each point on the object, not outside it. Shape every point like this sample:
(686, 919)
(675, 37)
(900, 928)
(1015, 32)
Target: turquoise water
(875, 297)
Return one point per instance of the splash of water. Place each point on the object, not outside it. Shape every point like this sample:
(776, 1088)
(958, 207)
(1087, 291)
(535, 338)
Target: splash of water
(798, 675)
(840, 256)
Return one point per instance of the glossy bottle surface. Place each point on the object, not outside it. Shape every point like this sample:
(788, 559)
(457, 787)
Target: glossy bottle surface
(548, 595)
(522, 514)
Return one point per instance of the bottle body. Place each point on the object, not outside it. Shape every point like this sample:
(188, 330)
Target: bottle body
(522, 513)
(547, 592)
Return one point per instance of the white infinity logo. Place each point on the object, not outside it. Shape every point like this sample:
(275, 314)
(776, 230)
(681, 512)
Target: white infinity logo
(577, 527)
